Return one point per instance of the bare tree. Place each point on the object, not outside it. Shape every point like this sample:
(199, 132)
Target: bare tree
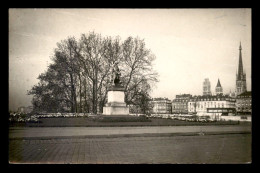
(138, 74)
(82, 70)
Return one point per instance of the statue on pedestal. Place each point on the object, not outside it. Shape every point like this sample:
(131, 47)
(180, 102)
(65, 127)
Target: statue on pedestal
(116, 105)
(116, 75)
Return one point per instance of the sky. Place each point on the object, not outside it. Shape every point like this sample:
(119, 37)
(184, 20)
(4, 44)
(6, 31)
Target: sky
(189, 44)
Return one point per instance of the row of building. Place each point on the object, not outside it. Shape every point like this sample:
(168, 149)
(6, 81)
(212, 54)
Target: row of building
(238, 102)
(202, 105)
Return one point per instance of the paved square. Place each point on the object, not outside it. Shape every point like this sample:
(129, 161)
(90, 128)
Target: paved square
(232, 148)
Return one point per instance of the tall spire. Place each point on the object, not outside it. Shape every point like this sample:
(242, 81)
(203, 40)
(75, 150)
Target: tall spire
(240, 63)
(219, 89)
(218, 84)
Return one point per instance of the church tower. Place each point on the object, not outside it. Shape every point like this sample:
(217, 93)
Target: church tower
(206, 87)
(219, 89)
(240, 76)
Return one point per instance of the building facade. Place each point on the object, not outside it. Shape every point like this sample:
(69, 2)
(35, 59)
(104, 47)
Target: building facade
(213, 106)
(180, 104)
(244, 103)
(240, 76)
(206, 87)
(192, 105)
(161, 106)
(218, 89)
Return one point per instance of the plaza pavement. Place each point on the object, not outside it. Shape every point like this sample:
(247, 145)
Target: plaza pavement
(212, 149)
(130, 145)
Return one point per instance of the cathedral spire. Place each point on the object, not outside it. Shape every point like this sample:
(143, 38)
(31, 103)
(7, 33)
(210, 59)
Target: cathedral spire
(240, 63)
(219, 89)
(218, 84)
(241, 76)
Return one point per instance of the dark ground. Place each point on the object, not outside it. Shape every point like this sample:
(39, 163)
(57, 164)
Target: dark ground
(232, 148)
(82, 140)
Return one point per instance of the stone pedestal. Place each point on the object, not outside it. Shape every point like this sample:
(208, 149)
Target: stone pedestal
(116, 104)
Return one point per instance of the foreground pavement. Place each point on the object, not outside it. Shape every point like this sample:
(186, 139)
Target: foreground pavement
(64, 132)
(120, 145)
(214, 149)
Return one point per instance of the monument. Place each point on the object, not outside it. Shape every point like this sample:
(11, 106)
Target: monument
(116, 96)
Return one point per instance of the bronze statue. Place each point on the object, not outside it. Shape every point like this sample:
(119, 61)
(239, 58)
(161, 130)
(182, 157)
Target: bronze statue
(116, 75)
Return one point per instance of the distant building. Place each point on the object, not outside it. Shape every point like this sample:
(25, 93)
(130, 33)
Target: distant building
(25, 110)
(206, 87)
(240, 76)
(180, 104)
(213, 106)
(218, 89)
(232, 94)
(192, 105)
(244, 103)
(161, 106)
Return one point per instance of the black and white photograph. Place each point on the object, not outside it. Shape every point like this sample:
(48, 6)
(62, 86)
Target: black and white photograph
(129, 86)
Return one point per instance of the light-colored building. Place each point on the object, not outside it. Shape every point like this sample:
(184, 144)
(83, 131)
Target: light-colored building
(213, 106)
(180, 104)
(192, 105)
(161, 106)
(244, 103)
(206, 87)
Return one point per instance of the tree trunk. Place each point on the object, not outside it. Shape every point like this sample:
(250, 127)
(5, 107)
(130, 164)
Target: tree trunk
(93, 96)
(80, 107)
(85, 96)
(95, 93)
(75, 98)
(73, 95)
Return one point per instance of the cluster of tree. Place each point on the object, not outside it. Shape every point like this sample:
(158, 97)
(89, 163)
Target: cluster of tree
(81, 73)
